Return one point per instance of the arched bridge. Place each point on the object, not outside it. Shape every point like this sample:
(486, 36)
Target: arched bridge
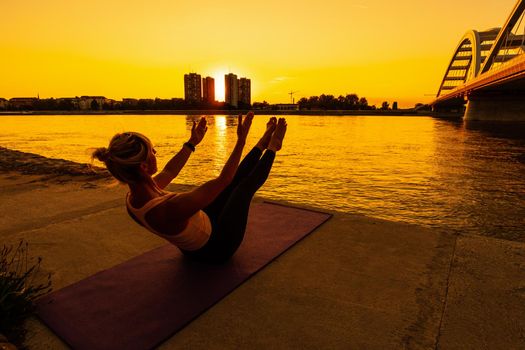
(487, 71)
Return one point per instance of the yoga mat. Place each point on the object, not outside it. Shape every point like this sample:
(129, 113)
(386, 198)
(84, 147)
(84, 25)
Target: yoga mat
(143, 301)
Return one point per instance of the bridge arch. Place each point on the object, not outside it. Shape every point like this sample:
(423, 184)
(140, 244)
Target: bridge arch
(468, 59)
(465, 63)
(487, 72)
(506, 39)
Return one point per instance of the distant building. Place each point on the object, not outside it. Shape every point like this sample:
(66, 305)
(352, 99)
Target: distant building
(208, 89)
(245, 91)
(286, 106)
(192, 87)
(145, 103)
(231, 90)
(23, 102)
(92, 102)
(3, 103)
(110, 103)
(422, 107)
(68, 103)
(130, 102)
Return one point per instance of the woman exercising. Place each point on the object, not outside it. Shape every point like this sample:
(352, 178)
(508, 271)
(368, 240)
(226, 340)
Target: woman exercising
(207, 223)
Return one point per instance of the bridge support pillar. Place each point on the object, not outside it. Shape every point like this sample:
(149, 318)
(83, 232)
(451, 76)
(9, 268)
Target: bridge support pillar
(496, 107)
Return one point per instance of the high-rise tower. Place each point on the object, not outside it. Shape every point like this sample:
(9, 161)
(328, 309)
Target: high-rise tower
(245, 92)
(231, 90)
(192, 87)
(208, 89)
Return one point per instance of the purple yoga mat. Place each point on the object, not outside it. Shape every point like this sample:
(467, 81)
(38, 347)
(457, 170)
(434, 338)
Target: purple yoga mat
(143, 301)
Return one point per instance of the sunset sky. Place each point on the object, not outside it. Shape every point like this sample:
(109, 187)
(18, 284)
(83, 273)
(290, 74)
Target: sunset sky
(383, 50)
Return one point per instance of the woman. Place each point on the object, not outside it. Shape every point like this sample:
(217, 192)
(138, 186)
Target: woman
(207, 223)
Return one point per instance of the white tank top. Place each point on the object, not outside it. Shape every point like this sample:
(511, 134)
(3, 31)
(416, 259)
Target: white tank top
(193, 237)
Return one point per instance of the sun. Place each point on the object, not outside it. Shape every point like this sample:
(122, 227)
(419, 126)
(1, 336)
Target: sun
(219, 84)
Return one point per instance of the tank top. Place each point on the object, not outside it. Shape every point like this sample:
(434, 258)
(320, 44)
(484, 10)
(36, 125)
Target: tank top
(193, 237)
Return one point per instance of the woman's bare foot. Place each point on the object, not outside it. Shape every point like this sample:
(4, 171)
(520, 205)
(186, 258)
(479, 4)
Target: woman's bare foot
(276, 142)
(265, 139)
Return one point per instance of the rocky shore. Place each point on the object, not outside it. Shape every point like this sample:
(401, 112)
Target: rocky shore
(34, 164)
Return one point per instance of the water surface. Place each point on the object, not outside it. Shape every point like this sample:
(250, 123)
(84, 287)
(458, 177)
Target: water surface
(466, 177)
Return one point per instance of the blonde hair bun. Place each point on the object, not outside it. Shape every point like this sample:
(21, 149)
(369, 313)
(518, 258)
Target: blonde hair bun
(101, 153)
(126, 152)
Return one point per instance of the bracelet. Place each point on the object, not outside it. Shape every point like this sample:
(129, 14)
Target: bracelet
(190, 146)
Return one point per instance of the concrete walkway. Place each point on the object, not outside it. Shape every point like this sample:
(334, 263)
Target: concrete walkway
(355, 283)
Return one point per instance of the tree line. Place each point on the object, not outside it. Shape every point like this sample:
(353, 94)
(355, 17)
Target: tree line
(322, 102)
(348, 102)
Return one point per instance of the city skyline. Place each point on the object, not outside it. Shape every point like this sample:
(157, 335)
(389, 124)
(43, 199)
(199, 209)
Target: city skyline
(378, 49)
(235, 92)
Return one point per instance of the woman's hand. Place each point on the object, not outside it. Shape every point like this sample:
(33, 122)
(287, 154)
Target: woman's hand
(198, 130)
(243, 127)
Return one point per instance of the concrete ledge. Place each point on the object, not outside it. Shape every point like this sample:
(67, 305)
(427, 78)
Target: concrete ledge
(486, 300)
(355, 283)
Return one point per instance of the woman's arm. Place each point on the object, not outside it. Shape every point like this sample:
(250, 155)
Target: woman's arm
(187, 204)
(172, 169)
(175, 164)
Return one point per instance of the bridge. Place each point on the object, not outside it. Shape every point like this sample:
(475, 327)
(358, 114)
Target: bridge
(487, 73)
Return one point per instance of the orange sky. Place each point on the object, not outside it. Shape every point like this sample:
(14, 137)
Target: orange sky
(383, 50)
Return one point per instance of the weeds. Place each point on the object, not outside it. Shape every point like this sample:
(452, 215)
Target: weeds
(18, 289)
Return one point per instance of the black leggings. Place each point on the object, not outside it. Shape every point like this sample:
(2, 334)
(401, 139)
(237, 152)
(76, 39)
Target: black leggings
(228, 213)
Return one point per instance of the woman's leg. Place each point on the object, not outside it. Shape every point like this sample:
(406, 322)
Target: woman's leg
(247, 165)
(245, 168)
(230, 225)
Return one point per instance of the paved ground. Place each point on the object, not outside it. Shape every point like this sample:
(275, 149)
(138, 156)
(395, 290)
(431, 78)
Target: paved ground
(355, 283)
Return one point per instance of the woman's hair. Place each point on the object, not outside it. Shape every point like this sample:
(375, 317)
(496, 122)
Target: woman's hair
(125, 153)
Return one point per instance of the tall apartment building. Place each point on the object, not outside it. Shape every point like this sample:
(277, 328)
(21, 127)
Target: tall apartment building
(231, 90)
(192, 87)
(208, 89)
(245, 92)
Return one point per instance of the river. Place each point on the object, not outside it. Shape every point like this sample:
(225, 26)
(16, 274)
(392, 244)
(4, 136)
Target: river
(460, 176)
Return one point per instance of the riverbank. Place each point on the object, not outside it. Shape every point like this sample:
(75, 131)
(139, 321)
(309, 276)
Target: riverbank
(393, 113)
(35, 164)
(355, 283)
